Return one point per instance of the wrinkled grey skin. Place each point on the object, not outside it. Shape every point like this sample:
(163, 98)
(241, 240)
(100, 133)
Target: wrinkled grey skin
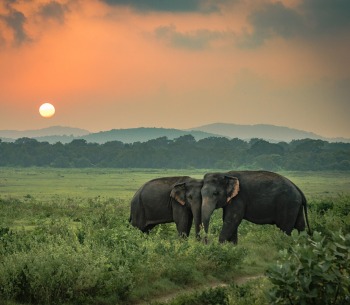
(260, 197)
(168, 199)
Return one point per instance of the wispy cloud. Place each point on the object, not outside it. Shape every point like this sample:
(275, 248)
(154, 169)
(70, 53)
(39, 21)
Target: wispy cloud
(53, 10)
(14, 20)
(176, 6)
(324, 16)
(311, 19)
(271, 20)
(195, 40)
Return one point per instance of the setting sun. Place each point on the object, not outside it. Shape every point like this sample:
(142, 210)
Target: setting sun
(47, 110)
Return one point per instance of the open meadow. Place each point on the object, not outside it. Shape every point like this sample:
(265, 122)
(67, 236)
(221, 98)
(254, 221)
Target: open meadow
(65, 239)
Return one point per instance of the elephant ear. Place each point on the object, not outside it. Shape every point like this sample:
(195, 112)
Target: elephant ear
(179, 193)
(232, 187)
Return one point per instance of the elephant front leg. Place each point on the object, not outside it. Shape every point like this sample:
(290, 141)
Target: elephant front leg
(234, 236)
(183, 220)
(229, 233)
(189, 224)
(232, 217)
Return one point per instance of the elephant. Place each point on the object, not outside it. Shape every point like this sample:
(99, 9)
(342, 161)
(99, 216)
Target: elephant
(260, 197)
(165, 200)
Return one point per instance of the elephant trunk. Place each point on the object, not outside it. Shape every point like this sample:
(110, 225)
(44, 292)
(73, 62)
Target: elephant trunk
(207, 210)
(196, 212)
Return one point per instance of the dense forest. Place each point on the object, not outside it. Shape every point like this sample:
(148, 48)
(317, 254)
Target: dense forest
(182, 152)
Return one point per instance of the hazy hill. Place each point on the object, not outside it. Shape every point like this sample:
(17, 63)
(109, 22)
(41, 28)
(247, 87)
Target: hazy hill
(267, 132)
(142, 134)
(44, 132)
(66, 134)
(131, 135)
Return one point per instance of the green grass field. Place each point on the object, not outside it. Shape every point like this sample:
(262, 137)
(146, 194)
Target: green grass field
(43, 183)
(71, 226)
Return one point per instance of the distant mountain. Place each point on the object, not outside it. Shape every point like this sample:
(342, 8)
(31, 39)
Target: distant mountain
(142, 134)
(131, 135)
(268, 132)
(45, 132)
(64, 135)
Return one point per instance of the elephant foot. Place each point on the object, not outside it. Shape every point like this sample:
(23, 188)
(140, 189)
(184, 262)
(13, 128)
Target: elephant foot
(205, 240)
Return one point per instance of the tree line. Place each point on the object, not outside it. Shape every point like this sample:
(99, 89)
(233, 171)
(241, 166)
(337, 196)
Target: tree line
(182, 152)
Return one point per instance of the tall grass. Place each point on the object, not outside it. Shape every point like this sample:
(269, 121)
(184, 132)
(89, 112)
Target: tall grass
(77, 247)
(88, 253)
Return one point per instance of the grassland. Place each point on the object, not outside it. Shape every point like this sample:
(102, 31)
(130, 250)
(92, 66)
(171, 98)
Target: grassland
(81, 215)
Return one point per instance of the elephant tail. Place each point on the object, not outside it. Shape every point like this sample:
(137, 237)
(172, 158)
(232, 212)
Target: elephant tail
(306, 215)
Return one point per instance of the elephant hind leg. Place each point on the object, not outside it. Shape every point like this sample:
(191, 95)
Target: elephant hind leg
(286, 229)
(300, 221)
(148, 228)
(289, 217)
(286, 225)
(233, 238)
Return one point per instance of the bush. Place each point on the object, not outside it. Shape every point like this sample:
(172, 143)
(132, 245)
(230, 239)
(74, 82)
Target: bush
(314, 270)
(220, 258)
(250, 293)
(59, 273)
(212, 296)
(253, 292)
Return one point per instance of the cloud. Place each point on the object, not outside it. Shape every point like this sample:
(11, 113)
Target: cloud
(196, 40)
(53, 10)
(15, 20)
(324, 16)
(178, 6)
(271, 20)
(311, 19)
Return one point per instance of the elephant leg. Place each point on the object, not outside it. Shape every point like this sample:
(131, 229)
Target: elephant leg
(286, 226)
(232, 216)
(182, 229)
(288, 215)
(148, 228)
(189, 223)
(300, 222)
(181, 217)
(234, 236)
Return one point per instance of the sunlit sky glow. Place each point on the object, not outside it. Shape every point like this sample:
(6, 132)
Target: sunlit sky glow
(108, 64)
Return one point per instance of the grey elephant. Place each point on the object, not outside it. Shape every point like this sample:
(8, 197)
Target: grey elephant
(260, 197)
(165, 200)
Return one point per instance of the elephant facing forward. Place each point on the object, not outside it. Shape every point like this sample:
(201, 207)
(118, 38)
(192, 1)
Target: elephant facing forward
(165, 200)
(260, 197)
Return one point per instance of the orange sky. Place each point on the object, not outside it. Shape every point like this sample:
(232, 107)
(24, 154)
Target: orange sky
(108, 64)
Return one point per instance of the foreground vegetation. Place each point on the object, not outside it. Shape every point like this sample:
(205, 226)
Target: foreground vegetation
(65, 238)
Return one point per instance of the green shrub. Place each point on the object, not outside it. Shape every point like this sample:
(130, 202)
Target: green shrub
(321, 206)
(314, 270)
(51, 265)
(217, 258)
(214, 296)
(250, 293)
(58, 273)
(342, 206)
(253, 292)
(211, 296)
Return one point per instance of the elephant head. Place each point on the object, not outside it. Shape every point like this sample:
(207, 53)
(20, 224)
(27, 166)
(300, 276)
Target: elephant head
(188, 194)
(217, 191)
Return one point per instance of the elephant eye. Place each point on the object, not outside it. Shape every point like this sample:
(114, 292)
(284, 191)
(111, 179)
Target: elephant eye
(190, 196)
(216, 193)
